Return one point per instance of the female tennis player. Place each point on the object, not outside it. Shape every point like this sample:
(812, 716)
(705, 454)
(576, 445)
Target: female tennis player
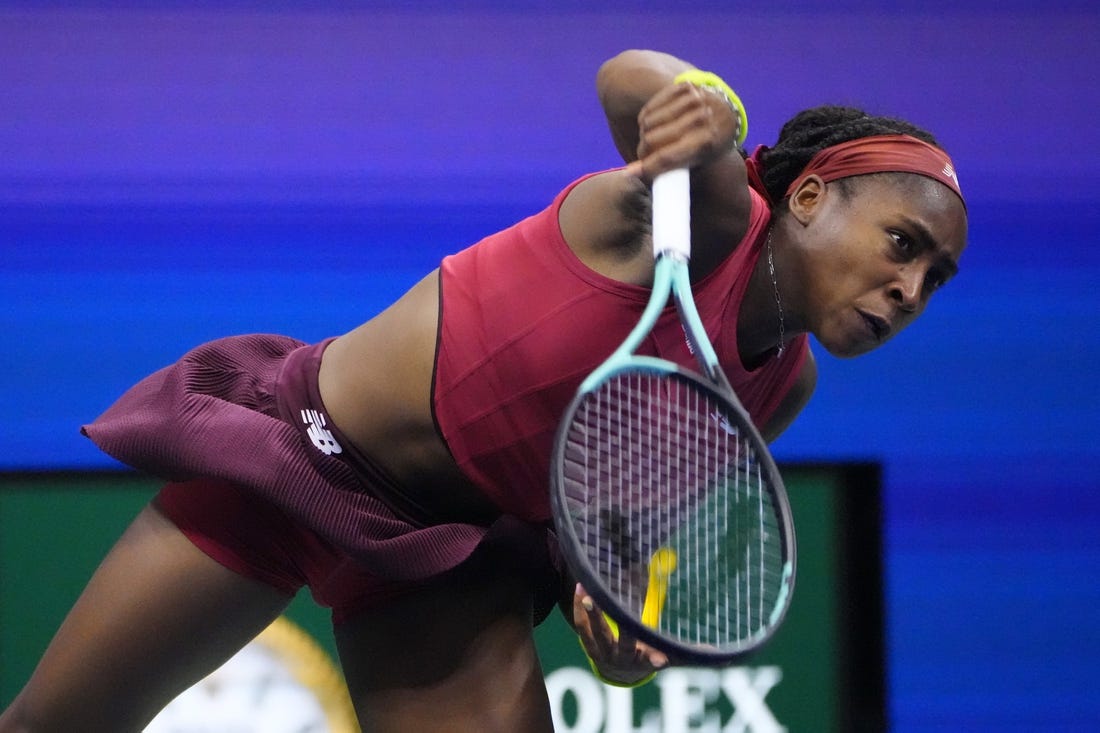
(401, 470)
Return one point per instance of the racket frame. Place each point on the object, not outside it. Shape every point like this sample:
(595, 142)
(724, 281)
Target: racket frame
(671, 279)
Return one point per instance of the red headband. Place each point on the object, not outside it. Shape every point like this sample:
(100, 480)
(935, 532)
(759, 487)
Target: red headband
(881, 154)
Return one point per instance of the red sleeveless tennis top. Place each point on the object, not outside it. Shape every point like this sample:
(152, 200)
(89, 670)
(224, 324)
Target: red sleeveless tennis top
(524, 321)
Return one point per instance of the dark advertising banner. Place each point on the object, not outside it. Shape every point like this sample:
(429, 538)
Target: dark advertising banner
(824, 671)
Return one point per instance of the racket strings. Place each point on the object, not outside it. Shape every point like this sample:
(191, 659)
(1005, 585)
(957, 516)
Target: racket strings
(656, 465)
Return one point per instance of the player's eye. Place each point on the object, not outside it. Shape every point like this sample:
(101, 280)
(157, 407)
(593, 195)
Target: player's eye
(903, 242)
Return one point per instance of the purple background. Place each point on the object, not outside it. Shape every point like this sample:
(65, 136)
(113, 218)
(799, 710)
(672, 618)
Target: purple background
(172, 172)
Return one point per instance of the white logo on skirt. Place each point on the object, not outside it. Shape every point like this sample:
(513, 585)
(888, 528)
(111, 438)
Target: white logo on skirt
(322, 438)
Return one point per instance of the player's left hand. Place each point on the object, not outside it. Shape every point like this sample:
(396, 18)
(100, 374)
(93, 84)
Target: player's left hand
(619, 658)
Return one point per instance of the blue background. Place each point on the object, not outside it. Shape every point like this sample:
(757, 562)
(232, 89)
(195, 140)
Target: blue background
(173, 172)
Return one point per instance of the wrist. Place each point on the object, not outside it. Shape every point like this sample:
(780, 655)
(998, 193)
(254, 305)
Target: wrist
(714, 84)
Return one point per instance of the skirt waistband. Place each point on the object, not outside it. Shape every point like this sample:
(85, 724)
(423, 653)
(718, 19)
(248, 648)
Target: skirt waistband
(299, 402)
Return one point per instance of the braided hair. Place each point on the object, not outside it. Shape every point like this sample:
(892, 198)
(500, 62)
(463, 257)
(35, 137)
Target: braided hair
(815, 129)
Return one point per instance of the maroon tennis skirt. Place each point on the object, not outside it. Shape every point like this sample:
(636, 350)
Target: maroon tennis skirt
(246, 409)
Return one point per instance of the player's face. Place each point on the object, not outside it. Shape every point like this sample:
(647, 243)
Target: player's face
(873, 259)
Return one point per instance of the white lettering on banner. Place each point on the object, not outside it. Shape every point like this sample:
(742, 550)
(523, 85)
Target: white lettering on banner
(690, 702)
(685, 696)
(620, 713)
(746, 692)
(588, 694)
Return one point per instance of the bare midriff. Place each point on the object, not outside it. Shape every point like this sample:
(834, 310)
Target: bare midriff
(376, 383)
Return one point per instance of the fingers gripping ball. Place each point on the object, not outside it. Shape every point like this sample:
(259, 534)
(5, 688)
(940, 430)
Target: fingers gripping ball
(661, 567)
(714, 83)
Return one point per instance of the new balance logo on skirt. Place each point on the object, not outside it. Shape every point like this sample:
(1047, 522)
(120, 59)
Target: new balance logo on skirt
(322, 438)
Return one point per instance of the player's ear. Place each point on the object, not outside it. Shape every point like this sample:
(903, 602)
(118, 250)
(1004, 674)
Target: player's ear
(806, 200)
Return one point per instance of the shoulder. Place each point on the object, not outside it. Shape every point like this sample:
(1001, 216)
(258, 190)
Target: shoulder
(794, 401)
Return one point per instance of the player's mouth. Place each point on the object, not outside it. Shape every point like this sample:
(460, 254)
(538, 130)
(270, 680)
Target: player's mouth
(878, 327)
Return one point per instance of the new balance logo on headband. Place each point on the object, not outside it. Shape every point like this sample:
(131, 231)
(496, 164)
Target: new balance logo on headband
(322, 438)
(949, 171)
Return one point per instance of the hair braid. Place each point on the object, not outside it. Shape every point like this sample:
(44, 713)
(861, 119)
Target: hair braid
(818, 128)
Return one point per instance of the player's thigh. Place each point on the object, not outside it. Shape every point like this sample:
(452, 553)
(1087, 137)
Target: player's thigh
(458, 655)
(157, 615)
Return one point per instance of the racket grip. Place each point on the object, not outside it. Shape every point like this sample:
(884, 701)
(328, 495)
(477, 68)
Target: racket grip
(672, 214)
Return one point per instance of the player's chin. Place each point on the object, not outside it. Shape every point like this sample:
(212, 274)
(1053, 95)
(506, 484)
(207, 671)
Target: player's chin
(848, 347)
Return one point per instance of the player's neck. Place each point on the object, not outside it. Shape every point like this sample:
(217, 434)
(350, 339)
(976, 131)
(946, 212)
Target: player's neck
(762, 320)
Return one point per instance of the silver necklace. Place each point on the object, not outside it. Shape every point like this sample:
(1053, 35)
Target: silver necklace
(778, 300)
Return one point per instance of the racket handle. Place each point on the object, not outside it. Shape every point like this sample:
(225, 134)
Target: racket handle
(672, 214)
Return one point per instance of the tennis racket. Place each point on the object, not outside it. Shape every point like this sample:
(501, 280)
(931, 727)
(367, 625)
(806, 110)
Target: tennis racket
(669, 508)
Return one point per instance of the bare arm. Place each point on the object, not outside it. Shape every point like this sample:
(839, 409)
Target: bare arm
(624, 84)
(657, 126)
